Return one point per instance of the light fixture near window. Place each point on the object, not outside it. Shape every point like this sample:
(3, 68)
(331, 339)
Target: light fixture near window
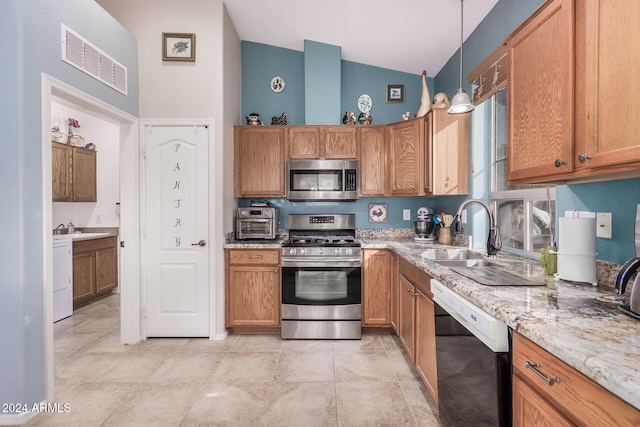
(461, 103)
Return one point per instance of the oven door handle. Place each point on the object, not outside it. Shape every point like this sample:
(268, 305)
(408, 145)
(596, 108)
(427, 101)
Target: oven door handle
(322, 263)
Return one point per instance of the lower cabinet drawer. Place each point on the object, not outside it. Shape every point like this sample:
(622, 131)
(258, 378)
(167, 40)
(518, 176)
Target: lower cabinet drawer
(260, 257)
(578, 397)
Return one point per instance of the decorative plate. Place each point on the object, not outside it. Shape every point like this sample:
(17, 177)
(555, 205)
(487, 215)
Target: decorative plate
(378, 213)
(364, 103)
(277, 84)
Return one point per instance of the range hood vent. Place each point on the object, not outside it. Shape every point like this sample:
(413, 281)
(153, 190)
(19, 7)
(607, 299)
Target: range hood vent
(86, 57)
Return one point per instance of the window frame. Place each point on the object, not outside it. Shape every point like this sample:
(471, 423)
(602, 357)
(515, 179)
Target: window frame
(527, 194)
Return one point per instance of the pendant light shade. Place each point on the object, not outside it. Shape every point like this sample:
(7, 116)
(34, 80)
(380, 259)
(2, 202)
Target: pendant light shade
(461, 103)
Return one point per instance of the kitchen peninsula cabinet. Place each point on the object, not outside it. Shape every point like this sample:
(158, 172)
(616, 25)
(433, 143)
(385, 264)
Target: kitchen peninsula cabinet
(372, 161)
(376, 288)
(405, 157)
(417, 322)
(95, 269)
(447, 154)
(252, 288)
(541, 93)
(607, 62)
(73, 173)
(259, 161)
(565, 397)
(322, 142)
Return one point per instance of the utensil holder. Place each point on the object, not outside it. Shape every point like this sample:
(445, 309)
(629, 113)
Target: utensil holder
(445, 236)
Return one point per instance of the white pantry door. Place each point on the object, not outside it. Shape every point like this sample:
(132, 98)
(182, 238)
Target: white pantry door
(176, 231)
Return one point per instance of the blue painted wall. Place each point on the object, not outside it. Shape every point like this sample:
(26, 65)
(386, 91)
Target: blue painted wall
(322, 83)
(261, 62)
(30, 43)
(360, 207)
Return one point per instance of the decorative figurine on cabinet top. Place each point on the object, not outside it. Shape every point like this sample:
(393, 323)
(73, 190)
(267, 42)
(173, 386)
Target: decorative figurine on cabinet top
(406, 116)
(349, 118)
(282, 120)
(440, 100)
(254, 119)
(425, 99)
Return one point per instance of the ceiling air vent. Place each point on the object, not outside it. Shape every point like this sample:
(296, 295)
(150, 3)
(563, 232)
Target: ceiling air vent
(86, 57)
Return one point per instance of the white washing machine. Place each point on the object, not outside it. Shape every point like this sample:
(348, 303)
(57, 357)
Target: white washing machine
(62, 279)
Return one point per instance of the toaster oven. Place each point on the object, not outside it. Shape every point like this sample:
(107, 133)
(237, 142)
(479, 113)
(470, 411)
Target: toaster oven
(256, 222)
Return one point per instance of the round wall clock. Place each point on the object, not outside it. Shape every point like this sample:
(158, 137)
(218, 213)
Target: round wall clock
(277, 84)
(364, 103)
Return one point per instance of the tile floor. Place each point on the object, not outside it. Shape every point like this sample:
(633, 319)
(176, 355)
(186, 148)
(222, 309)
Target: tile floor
(245, 380)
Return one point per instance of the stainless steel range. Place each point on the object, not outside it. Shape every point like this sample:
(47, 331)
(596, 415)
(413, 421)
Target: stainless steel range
(321, 278)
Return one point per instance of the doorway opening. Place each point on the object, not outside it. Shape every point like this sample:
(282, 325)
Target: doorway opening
(56, 95)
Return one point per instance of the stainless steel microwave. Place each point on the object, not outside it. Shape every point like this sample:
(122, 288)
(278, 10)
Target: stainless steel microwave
(256, 222)
(322, 180)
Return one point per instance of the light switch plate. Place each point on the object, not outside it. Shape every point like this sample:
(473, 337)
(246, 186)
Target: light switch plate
(406, 214)
(603, 225)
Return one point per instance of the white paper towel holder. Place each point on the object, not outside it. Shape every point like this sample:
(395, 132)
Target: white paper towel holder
(590, 258)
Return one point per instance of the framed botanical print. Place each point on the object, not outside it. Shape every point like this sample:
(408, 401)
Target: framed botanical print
(395, 93)
(179, 47)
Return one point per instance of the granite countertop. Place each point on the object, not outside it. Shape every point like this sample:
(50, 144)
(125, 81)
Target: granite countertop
(578, 323)
(88, 234)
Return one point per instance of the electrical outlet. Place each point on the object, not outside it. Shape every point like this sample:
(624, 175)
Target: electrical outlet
(463, 216)
(406, 214)
(603, 225)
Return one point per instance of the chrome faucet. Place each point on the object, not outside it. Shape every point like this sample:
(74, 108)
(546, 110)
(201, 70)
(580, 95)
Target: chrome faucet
(58, 230)
(493, 241)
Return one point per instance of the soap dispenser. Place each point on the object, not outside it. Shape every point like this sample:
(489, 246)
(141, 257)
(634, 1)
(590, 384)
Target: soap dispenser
(71, 228)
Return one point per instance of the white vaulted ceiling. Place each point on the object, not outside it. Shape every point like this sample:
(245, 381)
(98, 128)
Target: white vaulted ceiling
(402, 35)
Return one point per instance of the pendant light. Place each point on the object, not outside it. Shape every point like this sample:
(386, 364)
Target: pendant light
(461, 103)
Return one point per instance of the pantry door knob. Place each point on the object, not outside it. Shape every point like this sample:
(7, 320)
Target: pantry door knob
(201, 243)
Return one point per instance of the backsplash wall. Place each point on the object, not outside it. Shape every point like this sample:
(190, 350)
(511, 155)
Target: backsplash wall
(360, 207)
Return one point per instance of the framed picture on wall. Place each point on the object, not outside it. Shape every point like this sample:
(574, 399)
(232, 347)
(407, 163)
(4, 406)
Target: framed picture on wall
(179, 47)
(378, 212)
(395, 93)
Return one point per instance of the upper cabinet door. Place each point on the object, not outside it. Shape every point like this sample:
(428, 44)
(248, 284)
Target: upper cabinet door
(406, 142)
(304, 142)
(340, 142)
(541, 93)
(609, 31)
(447, 153)
(372, 161)
(259, 161)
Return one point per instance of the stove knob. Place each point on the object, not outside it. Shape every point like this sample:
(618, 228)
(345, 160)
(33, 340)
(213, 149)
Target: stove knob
(292, 251)
(348, 251)
(320, 251)
(337, 251)
(303, 251)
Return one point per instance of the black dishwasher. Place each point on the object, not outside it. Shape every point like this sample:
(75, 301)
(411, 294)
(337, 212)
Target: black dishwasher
(474, 369)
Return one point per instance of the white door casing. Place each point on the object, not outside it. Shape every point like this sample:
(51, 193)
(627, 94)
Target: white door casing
(176, 219)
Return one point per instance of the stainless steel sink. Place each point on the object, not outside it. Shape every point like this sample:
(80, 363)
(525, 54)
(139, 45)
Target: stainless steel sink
(490, 274)
(449, 255)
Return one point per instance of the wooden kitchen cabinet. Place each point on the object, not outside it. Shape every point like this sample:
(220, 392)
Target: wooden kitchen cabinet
(573, 400)
(376, 288)
(322, 142)
(372, 161)
(540, 94)
(447, 153)
(95, 269)
(395, 303)
(259, 161)
(73, 173)
(417, 322)
(252, 288)
(607, 62)
(406, 140)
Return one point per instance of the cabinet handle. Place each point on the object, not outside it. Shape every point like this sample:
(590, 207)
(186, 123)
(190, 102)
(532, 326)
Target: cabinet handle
(534, 367)
(559, 163)
(415, 294)
(409, 291)
(415, 189)
(583, 157)
(255, 256)
(275, 270)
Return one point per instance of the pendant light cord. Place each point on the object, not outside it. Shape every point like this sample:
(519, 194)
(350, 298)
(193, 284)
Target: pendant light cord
(461, 37)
